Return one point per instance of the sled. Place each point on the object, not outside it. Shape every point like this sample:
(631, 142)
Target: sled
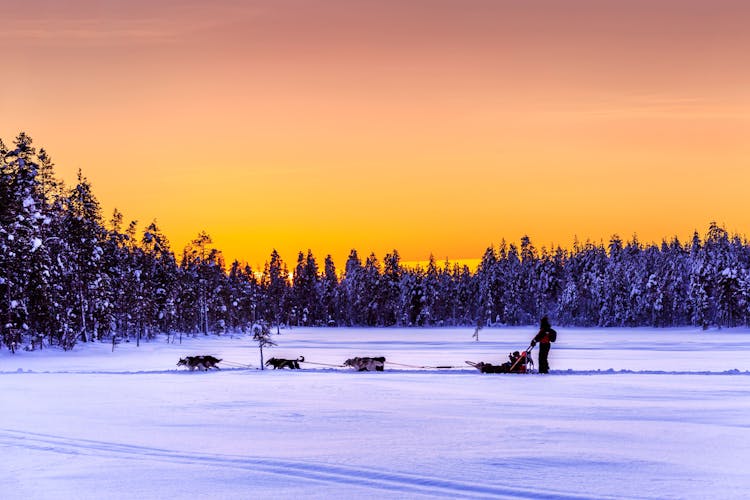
(518, 362)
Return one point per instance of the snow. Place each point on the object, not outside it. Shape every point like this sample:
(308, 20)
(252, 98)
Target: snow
(635, 413)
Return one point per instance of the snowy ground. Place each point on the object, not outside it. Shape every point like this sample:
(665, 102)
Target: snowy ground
(625, 414)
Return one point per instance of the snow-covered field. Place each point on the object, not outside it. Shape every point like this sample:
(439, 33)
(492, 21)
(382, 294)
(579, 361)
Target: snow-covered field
(624, 414)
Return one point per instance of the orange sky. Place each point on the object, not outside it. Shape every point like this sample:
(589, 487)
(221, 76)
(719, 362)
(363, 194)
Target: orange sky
(429, 126)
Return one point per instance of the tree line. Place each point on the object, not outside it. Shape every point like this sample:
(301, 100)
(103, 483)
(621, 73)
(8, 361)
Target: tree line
(68, 276)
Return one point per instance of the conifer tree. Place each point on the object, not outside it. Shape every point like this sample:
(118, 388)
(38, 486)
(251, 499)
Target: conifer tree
(330, 293)
(372, 293)
(276, 284)
(262, 335)
(23, 262)
(353, 290)
(159, 280)
(307, 290)
(488, 287)
(390, 291)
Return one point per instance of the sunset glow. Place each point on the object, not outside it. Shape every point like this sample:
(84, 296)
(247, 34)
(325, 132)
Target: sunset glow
(431, 127)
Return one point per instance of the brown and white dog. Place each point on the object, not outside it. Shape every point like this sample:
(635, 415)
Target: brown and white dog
(281, 363)
(199, 362)
(366, 364)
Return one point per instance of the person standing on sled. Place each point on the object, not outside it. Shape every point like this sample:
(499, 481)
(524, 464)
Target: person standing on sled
(545, 336)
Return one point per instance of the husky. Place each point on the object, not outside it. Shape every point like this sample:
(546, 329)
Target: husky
(199, 362)
(292, 364)
(366, 364)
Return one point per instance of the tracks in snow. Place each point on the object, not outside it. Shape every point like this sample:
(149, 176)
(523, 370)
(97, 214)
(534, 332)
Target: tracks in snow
(375, 479)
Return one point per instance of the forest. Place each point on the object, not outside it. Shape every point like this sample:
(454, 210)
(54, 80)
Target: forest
(67, 275)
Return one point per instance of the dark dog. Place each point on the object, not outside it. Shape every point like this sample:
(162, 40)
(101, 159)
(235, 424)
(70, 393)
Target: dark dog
(366, 364)
(199, 362)
(281, 363)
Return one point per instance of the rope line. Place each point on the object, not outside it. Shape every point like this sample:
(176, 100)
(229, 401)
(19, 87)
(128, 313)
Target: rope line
(233, 364)
(322, 364)
(420, 367)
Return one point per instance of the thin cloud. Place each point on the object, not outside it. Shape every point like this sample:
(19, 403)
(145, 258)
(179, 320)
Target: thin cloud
(155, 27)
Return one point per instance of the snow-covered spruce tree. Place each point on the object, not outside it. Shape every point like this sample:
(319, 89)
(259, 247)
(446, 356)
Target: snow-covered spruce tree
(644, 283)
(595, 261)
(159, 281)
(700, 284)
(512, 299)
(745, 294)
(370, 290)
(55, 322)
(186, 298)
(194, 262)
(235, 286)
(116, 262)
(728, 283)
(262, 335)
(202, 286)
(243, 287)
(550, 285)
(133, 283)
(411, 297)
(275, 283)
(354, 308)
(616, 298)
(575, 294)
(329, 294)
(489, 288)
(651, 308)
(22, 220)
(676, 283)
(306, 291)
(528, 283)
(219, 294)
(441, 299)
(430, 313)
(252, 295)
(84, 232)
(390, 290)
(33, 247)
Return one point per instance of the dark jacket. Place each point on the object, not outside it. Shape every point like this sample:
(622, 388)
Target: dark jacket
(545, 336)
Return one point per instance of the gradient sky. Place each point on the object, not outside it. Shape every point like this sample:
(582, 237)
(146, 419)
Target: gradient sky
(428, 126)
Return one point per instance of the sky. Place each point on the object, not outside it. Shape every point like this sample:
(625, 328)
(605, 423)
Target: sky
(431, 127)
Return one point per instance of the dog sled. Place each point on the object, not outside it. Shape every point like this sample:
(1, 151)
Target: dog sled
(518, 362)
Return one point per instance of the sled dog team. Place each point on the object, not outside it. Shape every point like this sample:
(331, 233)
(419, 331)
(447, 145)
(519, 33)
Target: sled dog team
(517, 363)
(361, 364)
